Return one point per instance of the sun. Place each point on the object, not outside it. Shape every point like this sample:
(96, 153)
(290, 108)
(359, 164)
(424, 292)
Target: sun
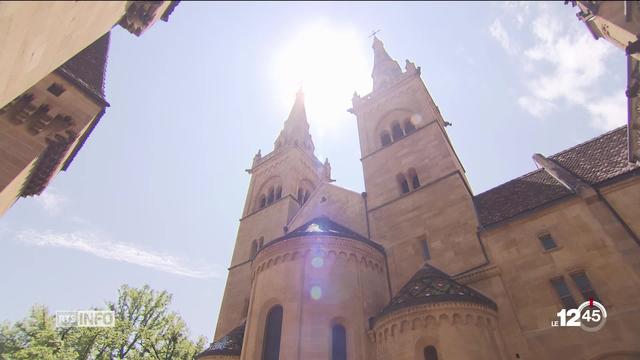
(329, 62)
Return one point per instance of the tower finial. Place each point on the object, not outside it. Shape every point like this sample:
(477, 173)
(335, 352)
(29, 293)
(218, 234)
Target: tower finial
(385, 68)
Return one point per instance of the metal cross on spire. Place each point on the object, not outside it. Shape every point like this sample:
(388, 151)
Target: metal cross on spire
(374, 33)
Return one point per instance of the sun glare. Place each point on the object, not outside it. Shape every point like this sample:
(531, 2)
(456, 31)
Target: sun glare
(330, 63)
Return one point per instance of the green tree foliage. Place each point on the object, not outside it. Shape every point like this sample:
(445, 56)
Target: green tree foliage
(144, 329)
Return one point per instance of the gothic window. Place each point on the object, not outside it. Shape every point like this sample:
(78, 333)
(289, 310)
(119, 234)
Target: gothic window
(278, 192)
(562, 290)
(404, 185)
(415, 181)
(584, 285)
(272, 333)
(385, 138)
(338, 343)
(254, 249)
(396, 131)
(547, 241)
(263, 201)
(430, 353)
(270, 196)
(409, 127)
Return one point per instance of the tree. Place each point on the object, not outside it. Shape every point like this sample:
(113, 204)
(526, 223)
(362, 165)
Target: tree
(144, 329)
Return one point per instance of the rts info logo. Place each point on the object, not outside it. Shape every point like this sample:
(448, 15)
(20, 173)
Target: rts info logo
(590, 316)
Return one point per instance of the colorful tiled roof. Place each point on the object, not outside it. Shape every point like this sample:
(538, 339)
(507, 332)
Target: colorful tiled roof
(230, 344)
(430, 285)
(323, 226)
(595, 161)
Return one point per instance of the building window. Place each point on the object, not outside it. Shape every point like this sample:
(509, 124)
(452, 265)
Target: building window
(409, 127)
(562, 290)
(396, 131)
(338, 343)
(404, 185)
(254, 249)
(584, 285)
(278, 192)
(425, 249)
(430, 353)
(547, 241)
(263, 201)
(415, 181)
(56, 89)
(272, 334)
(271, 196)
(385, 138)
(261, 242)
(306, 196)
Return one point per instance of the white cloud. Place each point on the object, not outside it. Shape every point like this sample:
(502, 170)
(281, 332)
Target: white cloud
(536, 107)
(92, 244)
(51, 201)
(500, 34)
(608, 112)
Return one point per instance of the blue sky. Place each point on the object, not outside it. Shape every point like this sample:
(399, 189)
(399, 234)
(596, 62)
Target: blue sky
(155, 195)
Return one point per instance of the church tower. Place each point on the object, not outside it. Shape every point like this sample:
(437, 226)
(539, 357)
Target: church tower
(281, 182)
(419, 203)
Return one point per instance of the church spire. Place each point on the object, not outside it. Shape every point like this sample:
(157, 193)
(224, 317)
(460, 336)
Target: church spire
(385, 69)
(296, 127)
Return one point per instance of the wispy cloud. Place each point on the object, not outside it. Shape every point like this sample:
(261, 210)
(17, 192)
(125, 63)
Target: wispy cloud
(51, 201)
(563, 66)
(93, 244)
(500, 34)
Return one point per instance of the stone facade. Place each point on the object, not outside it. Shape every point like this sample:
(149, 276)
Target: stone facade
(52, 84)
(418, 266)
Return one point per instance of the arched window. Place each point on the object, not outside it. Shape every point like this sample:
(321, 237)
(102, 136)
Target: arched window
(415, 181)
(430, 353)
(300, 195)
(306, 196)
(270, 196)
(396, 131)
(254, 249)
(338, 343)
(278, 192)
(404, 185)
(385, 138)
(261, 242)
(409, 127)
(272, 333)
(263, 201)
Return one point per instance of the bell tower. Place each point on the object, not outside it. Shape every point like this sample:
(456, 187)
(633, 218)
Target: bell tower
(281, 182)
(419, 203)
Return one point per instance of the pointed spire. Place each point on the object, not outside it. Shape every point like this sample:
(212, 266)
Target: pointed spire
(385, 69)
(296, 127)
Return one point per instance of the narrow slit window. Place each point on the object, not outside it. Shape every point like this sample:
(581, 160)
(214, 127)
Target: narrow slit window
(300, 195)
(396, 131)
(278, 192)
(263, 201)
(338, 343)
(271, 196)
(430, 353)
(409, 127)
(562, 290)
(584, 285)
(272, 334)
(404, 185)
(415, 180)
(254, 249)
(425, 249)
(385, 138)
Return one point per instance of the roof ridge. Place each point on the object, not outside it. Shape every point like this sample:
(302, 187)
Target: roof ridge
(510, 181)
(586, 142)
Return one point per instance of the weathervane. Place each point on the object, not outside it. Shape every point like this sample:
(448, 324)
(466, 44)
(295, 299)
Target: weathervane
(374, 33)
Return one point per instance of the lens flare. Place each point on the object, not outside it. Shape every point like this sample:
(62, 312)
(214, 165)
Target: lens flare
(317, 262)
(316, 292)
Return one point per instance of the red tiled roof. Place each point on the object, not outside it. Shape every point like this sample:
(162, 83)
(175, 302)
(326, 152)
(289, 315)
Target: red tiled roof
(594, 161)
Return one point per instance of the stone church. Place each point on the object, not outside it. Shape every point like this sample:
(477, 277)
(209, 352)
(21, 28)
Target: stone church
(420, 267)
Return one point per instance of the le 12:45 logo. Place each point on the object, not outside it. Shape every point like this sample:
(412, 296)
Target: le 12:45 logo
(590, 316)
